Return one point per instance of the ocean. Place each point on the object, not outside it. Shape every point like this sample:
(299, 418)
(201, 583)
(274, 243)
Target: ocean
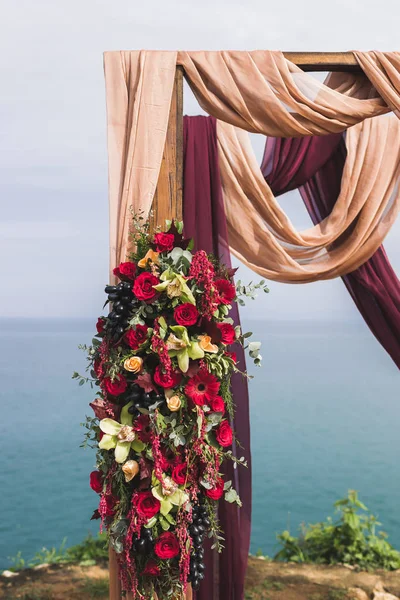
(325, 414)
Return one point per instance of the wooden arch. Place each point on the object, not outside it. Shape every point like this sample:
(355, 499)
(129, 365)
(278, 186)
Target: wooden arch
(167, 203)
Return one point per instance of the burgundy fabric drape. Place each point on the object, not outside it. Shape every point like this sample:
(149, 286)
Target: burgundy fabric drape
(204, 218)
(315, 166)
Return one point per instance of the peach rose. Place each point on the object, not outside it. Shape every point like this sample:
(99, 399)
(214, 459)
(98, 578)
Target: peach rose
(150, 256)
(134, 364)
(206, 345)
(174, 403)
(130, 469)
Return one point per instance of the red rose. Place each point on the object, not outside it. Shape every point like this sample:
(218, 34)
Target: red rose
(186, 314)
(126, 271)
(143, 287)
(164, 380)
(226, 291)
(217, 404)
(116, 387)
(146, 505)
(217, 492)
(179, 474)
(100, 324)
(224, 434)
(167, 546)
(96, 481)
(164, 241)
(136, 337)
(227, 333)
(151, 568)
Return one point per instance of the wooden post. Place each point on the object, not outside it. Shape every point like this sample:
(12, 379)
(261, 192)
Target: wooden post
(167, 204)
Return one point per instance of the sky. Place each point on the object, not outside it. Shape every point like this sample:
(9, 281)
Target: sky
(53, 168)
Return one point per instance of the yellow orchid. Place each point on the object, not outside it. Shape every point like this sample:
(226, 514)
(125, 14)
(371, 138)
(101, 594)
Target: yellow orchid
(183, 347)
(169, 494)
(175, 286)
(120, 436)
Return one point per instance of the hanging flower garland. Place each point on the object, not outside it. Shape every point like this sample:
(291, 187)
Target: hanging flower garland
(163, 360)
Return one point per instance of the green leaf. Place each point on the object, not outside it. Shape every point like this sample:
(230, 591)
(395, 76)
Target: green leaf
(164, 523)
(151, 523)
(170, 519)
(232, 496)
(163, 323)
(126, 417)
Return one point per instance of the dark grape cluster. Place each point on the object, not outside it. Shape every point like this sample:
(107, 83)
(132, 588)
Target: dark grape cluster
(198, 531)
(140, 398)
(144, 544)
(123, 301)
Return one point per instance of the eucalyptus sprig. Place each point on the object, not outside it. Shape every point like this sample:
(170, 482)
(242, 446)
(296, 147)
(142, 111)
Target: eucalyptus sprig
(250, 291)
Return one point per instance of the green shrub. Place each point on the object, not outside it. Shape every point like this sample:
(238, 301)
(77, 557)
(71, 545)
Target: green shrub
(89, 552)
(91, 549)
(352, 539)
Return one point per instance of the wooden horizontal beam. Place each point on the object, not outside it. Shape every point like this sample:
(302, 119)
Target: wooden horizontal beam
(324, 61)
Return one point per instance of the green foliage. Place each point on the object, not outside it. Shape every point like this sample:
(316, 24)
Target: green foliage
(89, 552)
(352, 539)
(250, 290)
(90, 549)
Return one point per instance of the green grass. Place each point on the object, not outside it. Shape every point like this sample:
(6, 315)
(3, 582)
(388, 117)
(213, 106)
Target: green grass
(95, 588)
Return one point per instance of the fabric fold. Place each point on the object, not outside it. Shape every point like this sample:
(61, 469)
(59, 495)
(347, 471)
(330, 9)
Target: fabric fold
(263, 92)
(383, 71)
(139, 88)
(261, 235)
(205, 221)
(374, 286)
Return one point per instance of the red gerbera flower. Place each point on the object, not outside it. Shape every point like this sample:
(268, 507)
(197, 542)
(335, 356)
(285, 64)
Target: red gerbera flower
(226, 290)
(169, 459)
(202, 387)
(143, 429)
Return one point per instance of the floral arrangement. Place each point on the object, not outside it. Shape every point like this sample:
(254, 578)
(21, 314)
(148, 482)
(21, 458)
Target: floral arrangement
(162, 360)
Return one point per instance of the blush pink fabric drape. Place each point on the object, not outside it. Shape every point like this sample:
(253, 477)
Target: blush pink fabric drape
(261, 235)
(259, 91)
(383, 71)
(315, 166)
(138, 91)
(263, 92)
